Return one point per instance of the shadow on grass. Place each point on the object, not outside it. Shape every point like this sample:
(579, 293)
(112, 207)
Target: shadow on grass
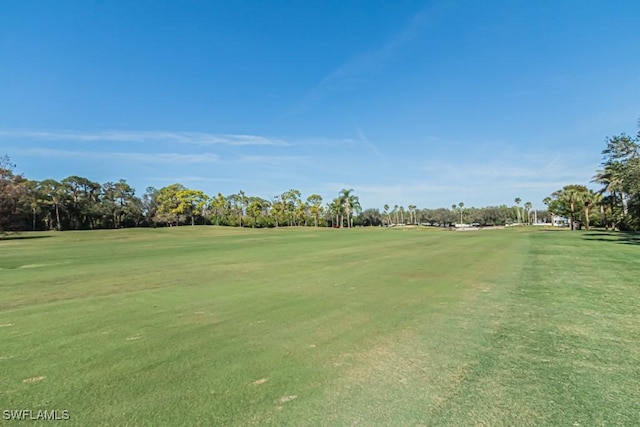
(19, 237)
(623, 237)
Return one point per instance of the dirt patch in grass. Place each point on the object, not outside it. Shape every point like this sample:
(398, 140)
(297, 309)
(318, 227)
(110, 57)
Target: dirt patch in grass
(33, 380)
(260, 381)
(285, 399)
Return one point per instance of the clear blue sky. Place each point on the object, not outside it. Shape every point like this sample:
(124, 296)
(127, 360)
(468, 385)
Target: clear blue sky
(408, 102)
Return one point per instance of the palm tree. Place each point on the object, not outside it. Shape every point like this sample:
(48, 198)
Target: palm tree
(344, 200)
(573, 197)
(386, 212)
(55, 195)
(589, 199)
(547, 201)
(412, 210)
(356, 209)
(218, 205)
(569, 197)
(612, 179)
(315, 203)
(395, 211)
(243, 202)
(461, 205)
(527, 207)
(255, 209)
(290, 200)
(278, 209)
(518, 200)
(335, 209)
(33, 199)
(235, 206)
(606, 204)
(350, 202)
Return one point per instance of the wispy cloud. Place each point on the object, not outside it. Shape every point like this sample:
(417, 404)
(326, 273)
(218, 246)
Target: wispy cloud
(339, 142)
(361, 66)
(552, 162)
(193, 138)
(131, 157)
(497, 172)
(365, 141)
(279, 161)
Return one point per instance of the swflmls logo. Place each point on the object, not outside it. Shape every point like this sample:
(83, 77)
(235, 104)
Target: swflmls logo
(27, 414)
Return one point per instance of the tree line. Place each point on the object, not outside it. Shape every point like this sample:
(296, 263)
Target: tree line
(78, 203)
(616, 205)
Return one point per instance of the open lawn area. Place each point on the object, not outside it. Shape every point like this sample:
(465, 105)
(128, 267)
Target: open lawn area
(221, 326)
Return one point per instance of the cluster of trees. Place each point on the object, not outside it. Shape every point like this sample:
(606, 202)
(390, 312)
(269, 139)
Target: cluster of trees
(11, 189)
(73, 203)
(617, 204)
(486, 216)
(175, 205)
(76, 203)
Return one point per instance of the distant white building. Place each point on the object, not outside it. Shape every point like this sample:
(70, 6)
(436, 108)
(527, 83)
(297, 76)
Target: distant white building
(559, 221)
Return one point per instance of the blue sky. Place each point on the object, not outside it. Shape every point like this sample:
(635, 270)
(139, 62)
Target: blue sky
(407, 102)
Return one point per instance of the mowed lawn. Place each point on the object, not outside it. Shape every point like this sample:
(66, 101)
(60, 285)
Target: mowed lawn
(219, 326)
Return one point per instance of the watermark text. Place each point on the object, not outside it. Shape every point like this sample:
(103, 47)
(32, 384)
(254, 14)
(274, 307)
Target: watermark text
(35, 415)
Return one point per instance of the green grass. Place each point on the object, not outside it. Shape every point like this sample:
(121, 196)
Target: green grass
(217, 326)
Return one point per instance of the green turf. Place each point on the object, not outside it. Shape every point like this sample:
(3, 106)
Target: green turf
(218, 326)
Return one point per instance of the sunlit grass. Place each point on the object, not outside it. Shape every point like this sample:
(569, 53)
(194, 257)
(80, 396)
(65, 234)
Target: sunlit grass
(210, 326)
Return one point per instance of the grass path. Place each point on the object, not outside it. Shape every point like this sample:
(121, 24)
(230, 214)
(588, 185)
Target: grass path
(216, 326)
